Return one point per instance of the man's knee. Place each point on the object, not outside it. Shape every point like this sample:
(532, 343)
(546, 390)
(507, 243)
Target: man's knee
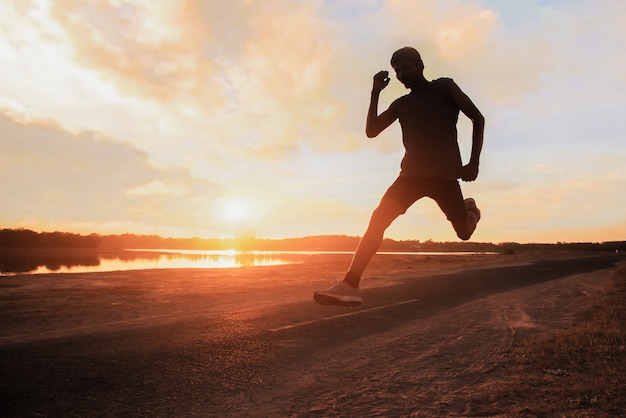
(386, 213)
(464, 235)
(379, 221)
(463, 230)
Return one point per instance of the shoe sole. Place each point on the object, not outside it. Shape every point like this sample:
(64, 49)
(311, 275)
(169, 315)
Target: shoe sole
(325, 299)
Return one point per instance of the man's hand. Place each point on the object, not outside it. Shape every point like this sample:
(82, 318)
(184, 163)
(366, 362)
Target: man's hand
(469, 172)
(381, 79)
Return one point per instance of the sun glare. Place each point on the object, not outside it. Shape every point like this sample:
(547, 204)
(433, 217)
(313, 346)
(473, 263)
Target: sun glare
(235, 210)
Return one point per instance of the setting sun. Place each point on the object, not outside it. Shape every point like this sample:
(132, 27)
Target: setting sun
(235, 210)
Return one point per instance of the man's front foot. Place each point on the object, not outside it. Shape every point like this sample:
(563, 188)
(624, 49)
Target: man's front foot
(340, 294)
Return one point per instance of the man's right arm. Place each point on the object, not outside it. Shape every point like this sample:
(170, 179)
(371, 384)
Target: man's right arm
(469, 172)
(376, 123)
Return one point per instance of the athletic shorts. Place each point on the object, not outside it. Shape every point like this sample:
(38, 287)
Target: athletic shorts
(406, 190)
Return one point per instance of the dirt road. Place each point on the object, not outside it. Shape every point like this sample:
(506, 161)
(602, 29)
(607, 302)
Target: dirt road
(429, 340)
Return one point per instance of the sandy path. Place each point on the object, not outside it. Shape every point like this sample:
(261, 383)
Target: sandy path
(431, 339)
(443, 364)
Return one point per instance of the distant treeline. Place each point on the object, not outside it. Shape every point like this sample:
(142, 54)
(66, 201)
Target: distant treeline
(24, 238)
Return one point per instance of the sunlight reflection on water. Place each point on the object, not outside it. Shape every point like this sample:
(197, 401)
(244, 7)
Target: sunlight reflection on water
(166, 259)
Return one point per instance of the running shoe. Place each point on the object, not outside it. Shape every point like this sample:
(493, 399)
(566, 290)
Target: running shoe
(470, 204)
(340, 294)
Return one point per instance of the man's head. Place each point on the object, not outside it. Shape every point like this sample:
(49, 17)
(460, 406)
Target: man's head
(408, 66)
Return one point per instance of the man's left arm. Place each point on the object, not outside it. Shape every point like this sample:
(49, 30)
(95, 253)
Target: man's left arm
(469, 172)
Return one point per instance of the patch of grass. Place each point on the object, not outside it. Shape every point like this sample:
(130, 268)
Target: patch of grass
(580, 371)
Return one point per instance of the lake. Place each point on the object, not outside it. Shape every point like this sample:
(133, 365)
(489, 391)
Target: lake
(142, 259)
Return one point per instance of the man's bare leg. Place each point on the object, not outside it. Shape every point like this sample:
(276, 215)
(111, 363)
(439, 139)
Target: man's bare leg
(382, 217)
(346, 292)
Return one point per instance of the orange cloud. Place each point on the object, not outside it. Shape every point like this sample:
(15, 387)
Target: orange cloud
(152, 49)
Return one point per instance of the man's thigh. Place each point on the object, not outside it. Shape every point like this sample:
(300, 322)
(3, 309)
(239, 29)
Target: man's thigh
(405, 191)
(448, 195)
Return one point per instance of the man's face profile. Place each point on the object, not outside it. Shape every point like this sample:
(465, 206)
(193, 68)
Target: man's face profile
(408, 70)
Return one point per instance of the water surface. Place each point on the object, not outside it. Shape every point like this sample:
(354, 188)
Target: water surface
(142, 259)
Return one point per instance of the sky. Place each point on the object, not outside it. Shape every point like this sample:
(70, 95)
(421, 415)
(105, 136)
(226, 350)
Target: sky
(210, 118)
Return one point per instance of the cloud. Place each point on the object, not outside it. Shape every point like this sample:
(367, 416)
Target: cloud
(51, 177)
(72, 176)
(148, 49)
(258, 89)
(157, 188)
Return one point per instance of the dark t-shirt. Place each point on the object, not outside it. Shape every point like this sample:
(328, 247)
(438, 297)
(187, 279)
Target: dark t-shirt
(428, 118)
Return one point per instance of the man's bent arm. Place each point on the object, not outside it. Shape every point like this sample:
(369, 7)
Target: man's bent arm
(376, 123)
(470, 171)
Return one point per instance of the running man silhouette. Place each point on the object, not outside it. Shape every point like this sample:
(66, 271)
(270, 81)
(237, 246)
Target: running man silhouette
(431, 165)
